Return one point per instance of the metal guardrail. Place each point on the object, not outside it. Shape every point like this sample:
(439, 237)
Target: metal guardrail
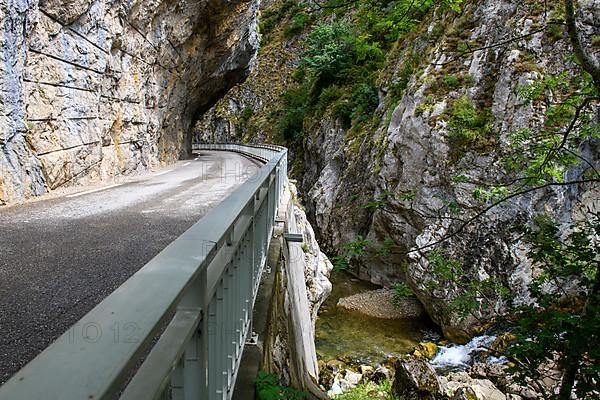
(262, 152)
(202, 287)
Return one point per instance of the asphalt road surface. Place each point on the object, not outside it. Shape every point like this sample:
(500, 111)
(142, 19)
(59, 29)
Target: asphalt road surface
(62, 255)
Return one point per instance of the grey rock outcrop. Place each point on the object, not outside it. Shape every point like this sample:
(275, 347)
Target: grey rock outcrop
(91, 89)
(415, 378)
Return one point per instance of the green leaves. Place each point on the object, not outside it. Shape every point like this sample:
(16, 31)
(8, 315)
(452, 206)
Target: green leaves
(340, 263)
(561, 323)
(494, 193)
(293, 112)
(386, 248)
(401, 291)
(357, 248)
(444, 268)
(546, 154)
(330, 48)
(466, 123)
(454, 5)
(268, 388)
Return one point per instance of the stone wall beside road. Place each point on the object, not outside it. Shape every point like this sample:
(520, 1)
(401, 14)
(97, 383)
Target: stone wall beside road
(90, 89)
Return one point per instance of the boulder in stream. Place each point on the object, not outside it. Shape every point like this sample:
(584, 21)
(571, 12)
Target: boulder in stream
(380, 304)
(415, 377)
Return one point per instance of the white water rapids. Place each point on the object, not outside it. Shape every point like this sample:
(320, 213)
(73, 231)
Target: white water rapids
(460, 356)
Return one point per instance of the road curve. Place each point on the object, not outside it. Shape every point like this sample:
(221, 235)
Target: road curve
(61, 256)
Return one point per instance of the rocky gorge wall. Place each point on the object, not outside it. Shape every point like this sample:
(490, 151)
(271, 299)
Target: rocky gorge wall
(300, 287)
(424, 180)
(403, 181)
(92, 89)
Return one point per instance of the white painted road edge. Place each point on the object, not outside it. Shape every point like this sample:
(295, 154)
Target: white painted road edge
(93, 190)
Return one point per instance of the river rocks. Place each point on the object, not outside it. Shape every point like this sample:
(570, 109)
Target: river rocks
(91, 89)
(352, 378)
(502, 342)
(427, 350)
(380, 304)
(415, 377)
(459, 385)
(382, 373)
(344, 382)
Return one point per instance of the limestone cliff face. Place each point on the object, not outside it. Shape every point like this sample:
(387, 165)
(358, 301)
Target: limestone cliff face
(412, 164)
(93, 88)
(405, 180)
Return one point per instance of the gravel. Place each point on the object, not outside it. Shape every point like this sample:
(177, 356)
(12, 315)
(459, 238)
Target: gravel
(379, 304)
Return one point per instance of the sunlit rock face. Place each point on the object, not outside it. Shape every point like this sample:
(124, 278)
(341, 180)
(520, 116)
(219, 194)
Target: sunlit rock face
(95, 88)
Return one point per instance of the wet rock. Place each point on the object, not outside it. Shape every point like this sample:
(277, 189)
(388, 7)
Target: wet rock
(336, 388)
(484, 370)
(500, 377)
(465, 393)
(379, 304)
(352, 378)
(381, 374)
(427, 350)
(344, 382)
(415, 377)
(502, 342)
(326, 375)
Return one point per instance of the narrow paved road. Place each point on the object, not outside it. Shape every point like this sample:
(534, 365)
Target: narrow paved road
(61, 256)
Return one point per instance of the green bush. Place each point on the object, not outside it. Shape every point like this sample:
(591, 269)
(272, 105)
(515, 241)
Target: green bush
(555, 31)
(366, 99)
(355, 249)
(268, 388)
(369, 391)
(401, 291)
(343, 112)
(407, 70)
(467, 123)
(330, 49)
(451, 81)
(291, 120)
(298, 23)
(246, 114)
(329, 95)
(270, 18)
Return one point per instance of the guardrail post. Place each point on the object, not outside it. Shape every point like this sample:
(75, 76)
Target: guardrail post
(189, 379)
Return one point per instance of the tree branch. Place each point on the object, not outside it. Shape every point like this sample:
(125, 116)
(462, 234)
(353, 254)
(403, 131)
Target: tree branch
(493, 205)
(590, 65)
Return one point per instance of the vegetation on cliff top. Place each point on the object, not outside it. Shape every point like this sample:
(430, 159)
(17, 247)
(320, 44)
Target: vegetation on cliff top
(340, 70)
